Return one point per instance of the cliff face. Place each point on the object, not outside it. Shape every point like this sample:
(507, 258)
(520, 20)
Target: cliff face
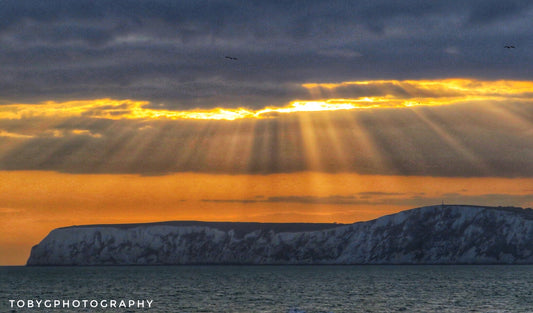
(428, 235)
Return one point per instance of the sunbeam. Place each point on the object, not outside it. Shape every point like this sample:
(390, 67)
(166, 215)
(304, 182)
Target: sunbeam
(447, 141)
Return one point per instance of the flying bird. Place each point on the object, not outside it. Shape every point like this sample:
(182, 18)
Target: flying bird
(231, 58)
(509, 47)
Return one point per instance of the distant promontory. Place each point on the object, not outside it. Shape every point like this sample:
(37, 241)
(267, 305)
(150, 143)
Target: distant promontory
(441, 234)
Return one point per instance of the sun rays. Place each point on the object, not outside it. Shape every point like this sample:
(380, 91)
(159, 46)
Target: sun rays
(351, 151)
(439, 128)
(384, 127)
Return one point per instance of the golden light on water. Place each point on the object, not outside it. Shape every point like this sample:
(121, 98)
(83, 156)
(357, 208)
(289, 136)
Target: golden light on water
(325, 97)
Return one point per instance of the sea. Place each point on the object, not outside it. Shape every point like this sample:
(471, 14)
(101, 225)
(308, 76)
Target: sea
(277, 289)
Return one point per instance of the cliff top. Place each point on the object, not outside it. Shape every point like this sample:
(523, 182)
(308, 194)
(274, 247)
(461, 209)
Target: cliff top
(244, 227)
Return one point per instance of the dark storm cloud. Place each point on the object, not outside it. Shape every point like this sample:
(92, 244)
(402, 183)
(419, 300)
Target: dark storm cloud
(399, 199)
(336, 199)
(172, 52)
(458, 141)
(483, 12)
(372, 198)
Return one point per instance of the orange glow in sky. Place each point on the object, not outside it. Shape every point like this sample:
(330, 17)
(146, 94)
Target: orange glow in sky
(419, 93)
(34, 203)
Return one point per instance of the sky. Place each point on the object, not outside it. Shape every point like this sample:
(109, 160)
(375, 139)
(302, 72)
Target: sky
(268, 111)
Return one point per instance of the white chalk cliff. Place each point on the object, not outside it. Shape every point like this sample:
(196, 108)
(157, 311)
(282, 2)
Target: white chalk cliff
(449, 234)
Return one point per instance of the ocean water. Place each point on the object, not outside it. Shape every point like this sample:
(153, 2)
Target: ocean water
(280, 289)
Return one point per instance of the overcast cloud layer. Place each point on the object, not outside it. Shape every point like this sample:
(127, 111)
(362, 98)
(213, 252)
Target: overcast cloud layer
(172, 53)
